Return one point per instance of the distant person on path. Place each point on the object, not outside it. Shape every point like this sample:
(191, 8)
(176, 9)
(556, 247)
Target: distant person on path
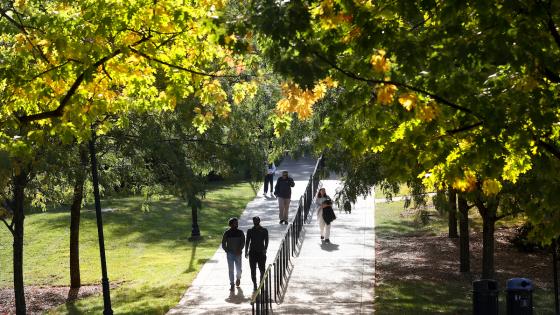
(233, 242)
(283, 191)
(269, 178)
(328, 216)
(255, 248)
(322, 196)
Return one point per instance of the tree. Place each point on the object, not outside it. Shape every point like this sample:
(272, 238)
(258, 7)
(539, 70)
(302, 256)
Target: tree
(66, 66)
(464, 94)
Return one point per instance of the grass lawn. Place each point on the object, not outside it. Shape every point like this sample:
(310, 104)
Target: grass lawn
(148, 255)
(417, 267)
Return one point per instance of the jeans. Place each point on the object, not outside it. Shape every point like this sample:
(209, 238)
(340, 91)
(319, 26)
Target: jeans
(233, 259)
(254, 260)
(268, 178)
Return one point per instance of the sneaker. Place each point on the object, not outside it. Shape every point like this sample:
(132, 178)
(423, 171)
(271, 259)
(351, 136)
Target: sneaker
(322, 237)
(237, 282)
(327, 241)
(285, 222)
(281, 221)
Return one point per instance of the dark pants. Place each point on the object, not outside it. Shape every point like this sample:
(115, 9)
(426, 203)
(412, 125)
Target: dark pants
(268, 178)
(254, 259)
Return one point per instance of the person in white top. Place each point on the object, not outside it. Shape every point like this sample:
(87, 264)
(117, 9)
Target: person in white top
(325, 228)
(270, 169)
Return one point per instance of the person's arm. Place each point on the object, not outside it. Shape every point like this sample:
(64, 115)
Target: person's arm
(224, 241)
(273, 168)
(292, 184)
(276, 186)
(265, 240)
(247, 242)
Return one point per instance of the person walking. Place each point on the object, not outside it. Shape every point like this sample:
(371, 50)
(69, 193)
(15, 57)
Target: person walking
(283, 190)
(233, 241)
(256, 245)
(269, 178)
(321, 196)
(328, 216)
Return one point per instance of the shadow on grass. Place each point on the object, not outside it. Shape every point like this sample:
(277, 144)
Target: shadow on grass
(169, 221)
(422, 297)
(140, 300)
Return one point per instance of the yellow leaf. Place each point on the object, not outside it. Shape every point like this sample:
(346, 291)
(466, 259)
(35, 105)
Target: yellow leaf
(380, 62)
(386, 93)
(408, 101)
(491, 187)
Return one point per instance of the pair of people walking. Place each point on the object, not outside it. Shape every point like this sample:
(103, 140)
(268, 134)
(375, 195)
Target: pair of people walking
(256, 244)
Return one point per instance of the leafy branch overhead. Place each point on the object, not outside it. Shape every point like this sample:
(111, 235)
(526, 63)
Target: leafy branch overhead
(65, 66)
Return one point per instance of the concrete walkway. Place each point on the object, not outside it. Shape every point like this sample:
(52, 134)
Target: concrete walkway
(336, 278)
(209, 292)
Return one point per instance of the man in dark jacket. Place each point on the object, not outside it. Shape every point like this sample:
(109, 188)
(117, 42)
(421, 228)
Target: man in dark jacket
(283, 191)
(255, 248)
(233, 242)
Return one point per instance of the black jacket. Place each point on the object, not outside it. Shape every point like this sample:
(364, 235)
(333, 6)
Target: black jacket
(233, 241)
(283, 188)
(257, 240)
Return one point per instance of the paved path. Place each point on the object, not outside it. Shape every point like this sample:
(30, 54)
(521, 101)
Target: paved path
(336, 278)
(209, 292)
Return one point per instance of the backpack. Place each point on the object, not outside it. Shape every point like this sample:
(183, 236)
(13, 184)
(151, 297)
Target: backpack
(328, 215)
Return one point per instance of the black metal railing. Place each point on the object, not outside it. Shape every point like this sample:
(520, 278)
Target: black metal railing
(289, 246)
(262, 302)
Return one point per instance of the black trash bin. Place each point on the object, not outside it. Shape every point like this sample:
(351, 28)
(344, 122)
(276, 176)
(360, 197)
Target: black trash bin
(485, 297)
(519, 296)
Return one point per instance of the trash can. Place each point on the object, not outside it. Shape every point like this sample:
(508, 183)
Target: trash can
(485, 297)
(519, 296)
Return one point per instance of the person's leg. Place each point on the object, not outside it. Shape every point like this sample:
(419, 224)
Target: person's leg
(272, 184)
(262, 265)
(238, 269)
(322, 227)
(327, 231)
(267, 182)
(230, 262)
(281, 208)
(253, 266)
(286, 208)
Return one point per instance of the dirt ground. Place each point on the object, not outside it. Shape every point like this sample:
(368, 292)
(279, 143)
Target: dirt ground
(40, 299)
(436, 258)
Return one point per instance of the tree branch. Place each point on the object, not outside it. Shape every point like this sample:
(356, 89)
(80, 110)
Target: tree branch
(553, 30)
(64, 101)
(550, 148)
(399, 84)
(22, 29)
(465, 128)
(552, 76)
(9, 226)
(180, 67)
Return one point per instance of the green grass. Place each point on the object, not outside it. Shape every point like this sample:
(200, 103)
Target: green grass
(428, 297)
(148, 254)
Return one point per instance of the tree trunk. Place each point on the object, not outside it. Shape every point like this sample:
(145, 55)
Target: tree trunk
(20, 181)
(488, 213)
(452, 213)
(464, 250)
(75, 208)
(488, 222)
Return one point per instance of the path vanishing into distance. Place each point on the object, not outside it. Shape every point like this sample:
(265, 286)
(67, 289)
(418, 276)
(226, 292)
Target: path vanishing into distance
(336, 278)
